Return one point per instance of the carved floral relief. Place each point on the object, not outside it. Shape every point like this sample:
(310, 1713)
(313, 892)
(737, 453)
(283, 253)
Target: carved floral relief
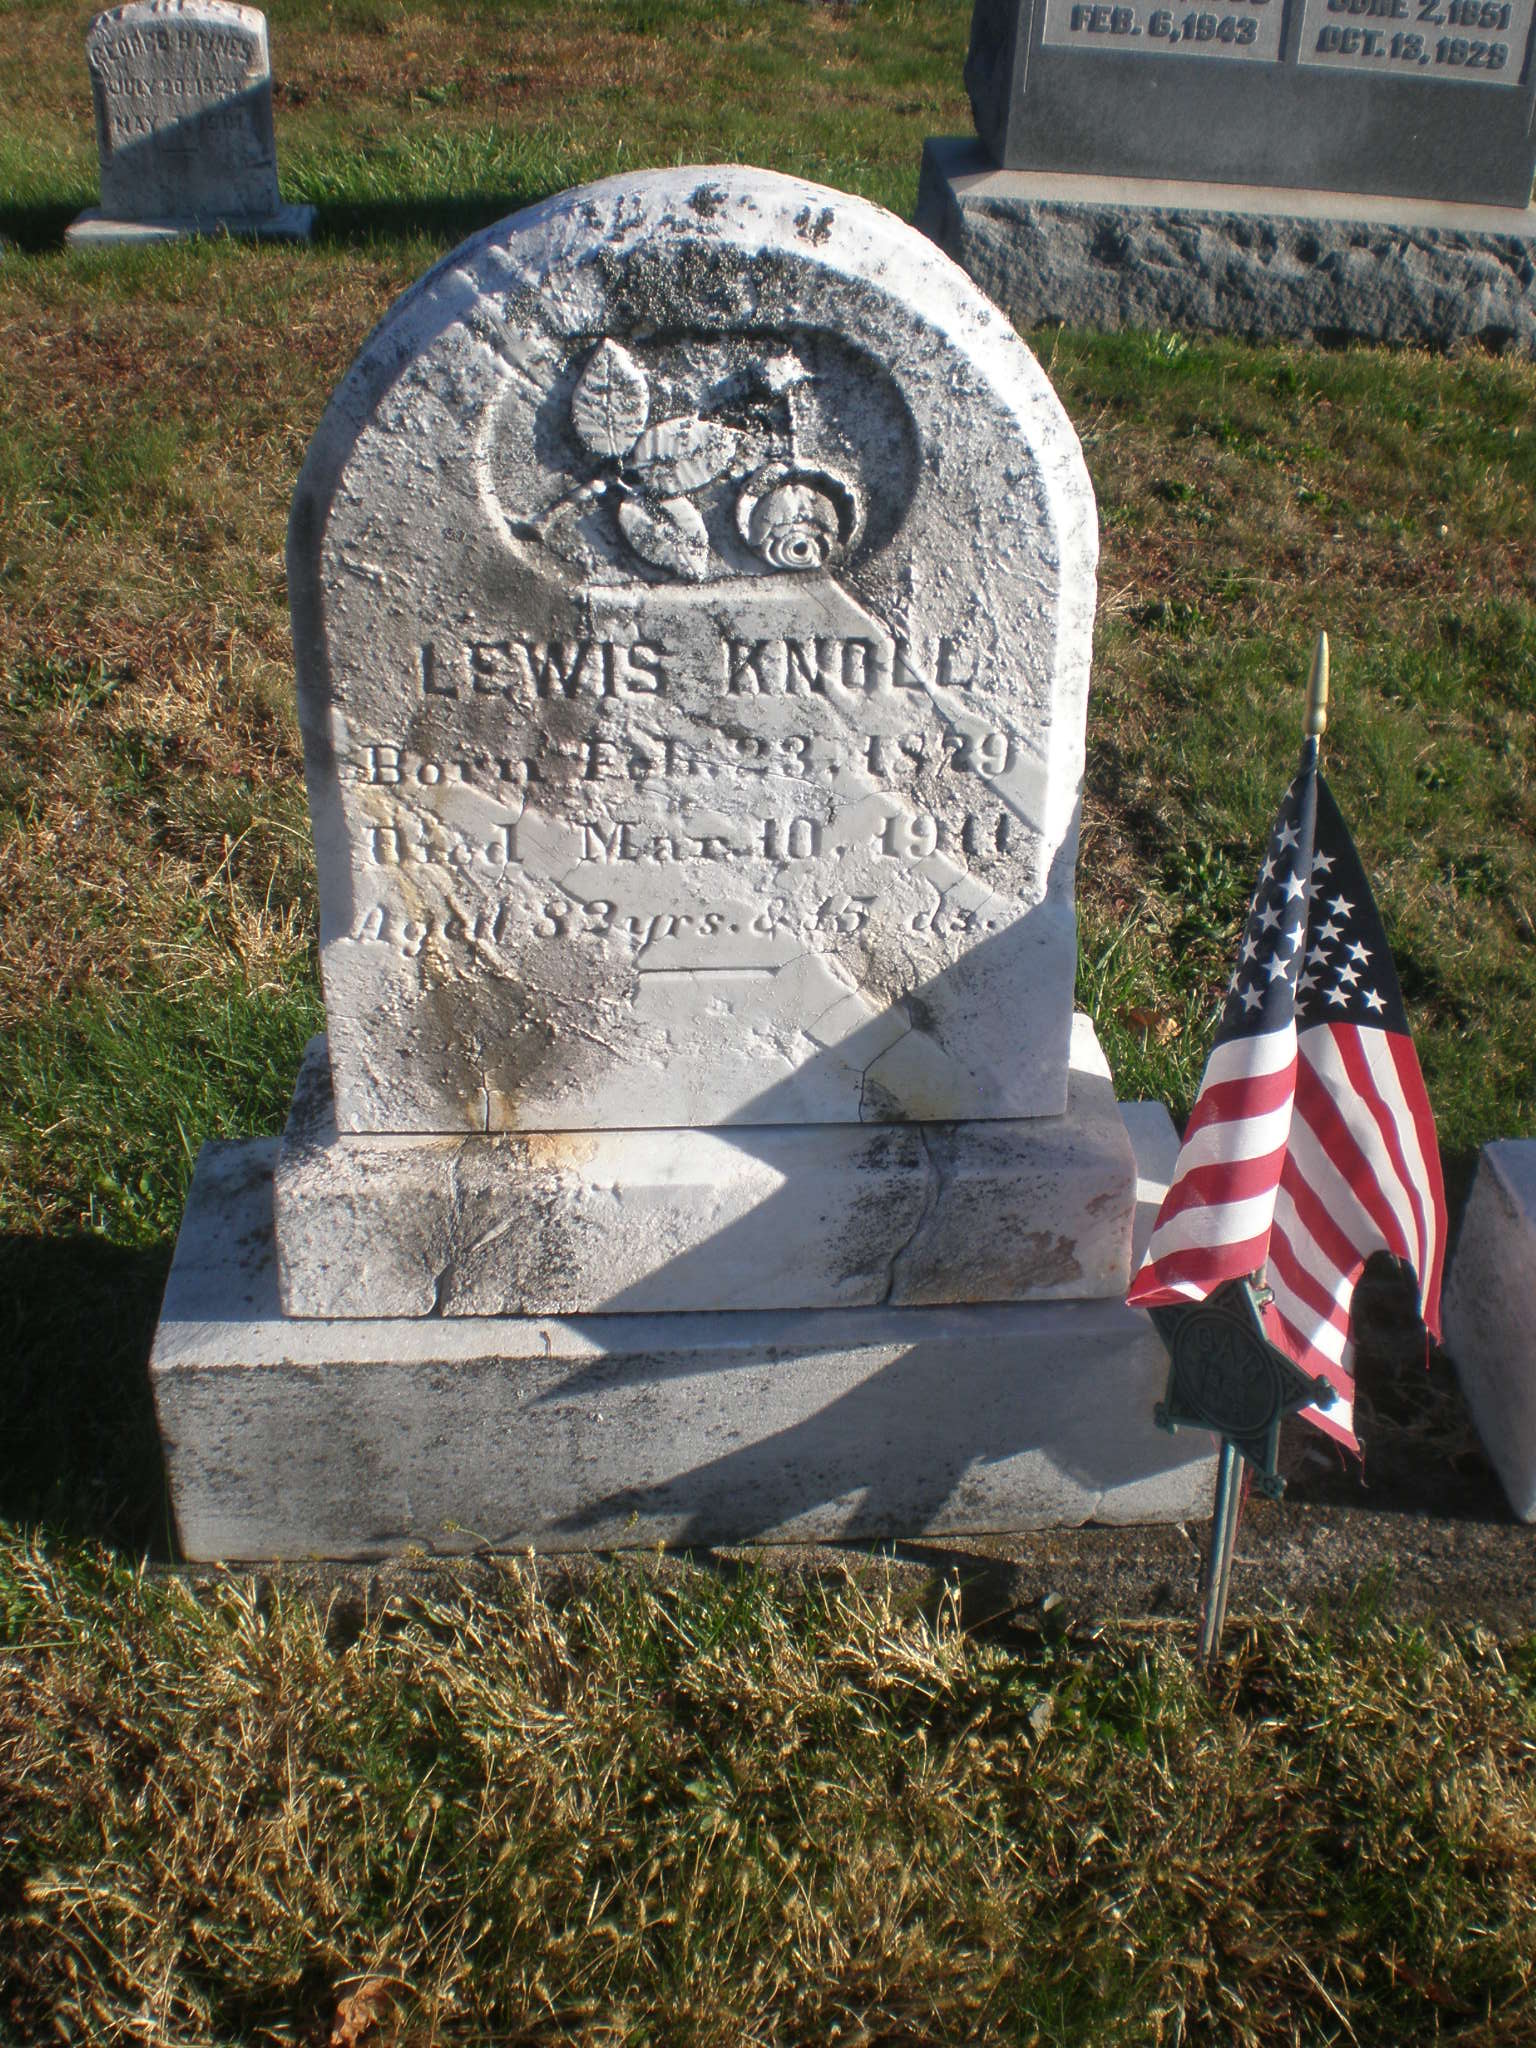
(725, 457)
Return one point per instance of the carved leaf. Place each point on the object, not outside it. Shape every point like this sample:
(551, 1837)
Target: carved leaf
(669, 534)
(611, 400)
(679, 455)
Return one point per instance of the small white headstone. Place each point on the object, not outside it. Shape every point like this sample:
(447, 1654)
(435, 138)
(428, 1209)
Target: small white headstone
(1490, 1313)
(183, 99)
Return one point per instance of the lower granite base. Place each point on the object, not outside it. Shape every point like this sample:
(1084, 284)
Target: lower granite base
(1255, 261)
(354, 1439)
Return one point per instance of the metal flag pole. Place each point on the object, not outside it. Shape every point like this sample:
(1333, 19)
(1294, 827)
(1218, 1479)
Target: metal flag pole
(1224, 1374)
(1223, 1543)
(1317, 691)
(1218, 1619)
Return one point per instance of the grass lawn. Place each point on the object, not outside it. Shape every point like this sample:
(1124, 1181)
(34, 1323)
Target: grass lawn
(671, 1807)
(655, 1804)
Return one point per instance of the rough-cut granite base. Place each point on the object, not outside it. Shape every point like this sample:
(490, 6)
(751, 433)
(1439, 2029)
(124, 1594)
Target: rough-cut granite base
(1252, 260)
(1489, 1314)
(292, 1438)
(94, 229)
(647, 1221)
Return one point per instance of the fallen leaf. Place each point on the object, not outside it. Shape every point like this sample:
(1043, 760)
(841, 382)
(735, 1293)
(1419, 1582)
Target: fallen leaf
(1160, 1025)
(359, 2013)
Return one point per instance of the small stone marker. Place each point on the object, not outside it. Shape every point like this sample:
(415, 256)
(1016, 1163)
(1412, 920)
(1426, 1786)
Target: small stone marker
(1490, 1314)
(693, 584)
(183, 99)
(1329, 167)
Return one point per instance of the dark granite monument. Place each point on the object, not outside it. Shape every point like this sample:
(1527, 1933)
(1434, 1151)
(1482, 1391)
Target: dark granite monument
(1327, 168)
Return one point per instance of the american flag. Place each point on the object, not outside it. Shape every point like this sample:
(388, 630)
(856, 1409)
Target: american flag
(1311, 1144)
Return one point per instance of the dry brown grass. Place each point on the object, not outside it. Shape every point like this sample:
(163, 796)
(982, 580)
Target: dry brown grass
(145, 632)
(658, 1805)
(501, 95)
(477, 66)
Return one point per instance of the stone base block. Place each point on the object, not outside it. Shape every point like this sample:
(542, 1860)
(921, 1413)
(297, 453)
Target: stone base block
(346, 1439)
(1237, 259)
(94, 229)
(652, 1221)
(1489, 1314)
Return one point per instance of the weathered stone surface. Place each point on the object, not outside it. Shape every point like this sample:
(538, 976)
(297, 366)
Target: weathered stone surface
(1120, 252)
(183, 98)
(289, 1438)
(1155, 1149)
(1381, 96)
(1489, 1314)
(693, 587)
(774, 1216)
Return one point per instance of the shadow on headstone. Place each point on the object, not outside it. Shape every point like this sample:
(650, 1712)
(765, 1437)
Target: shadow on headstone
(907, 1441)
(900, 1455)
(1421, 1454)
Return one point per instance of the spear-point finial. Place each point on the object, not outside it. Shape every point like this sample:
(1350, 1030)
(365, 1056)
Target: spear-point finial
(1317, 690)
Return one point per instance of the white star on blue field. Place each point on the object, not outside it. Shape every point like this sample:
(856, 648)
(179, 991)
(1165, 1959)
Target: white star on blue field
(1313, 946)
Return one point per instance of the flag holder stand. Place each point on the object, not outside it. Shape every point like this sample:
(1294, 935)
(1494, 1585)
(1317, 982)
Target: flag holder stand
(1224, 1375)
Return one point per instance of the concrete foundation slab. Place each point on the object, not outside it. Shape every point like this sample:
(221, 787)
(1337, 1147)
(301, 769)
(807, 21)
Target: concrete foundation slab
(96, 230)
(1264, 262)
(651, 1221)
(289, 1439)
(1489, 1314)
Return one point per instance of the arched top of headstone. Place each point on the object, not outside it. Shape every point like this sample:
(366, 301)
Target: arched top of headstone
(693, 587)
(219, 32)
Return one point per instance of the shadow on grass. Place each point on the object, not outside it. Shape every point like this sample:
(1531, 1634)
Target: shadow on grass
(36, 229)
(447, 218)
(79, 1448)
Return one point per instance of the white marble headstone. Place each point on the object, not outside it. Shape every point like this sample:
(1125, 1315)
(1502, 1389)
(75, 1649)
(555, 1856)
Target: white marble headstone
(183, 97)
(693, 584)
(692, 588)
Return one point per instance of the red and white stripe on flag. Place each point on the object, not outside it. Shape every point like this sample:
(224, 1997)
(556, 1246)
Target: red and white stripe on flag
(1361, 1175)
(1305, 1154)
(1215, 1220)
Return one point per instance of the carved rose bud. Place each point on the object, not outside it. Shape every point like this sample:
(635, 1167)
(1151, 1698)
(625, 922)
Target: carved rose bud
(794, 526)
